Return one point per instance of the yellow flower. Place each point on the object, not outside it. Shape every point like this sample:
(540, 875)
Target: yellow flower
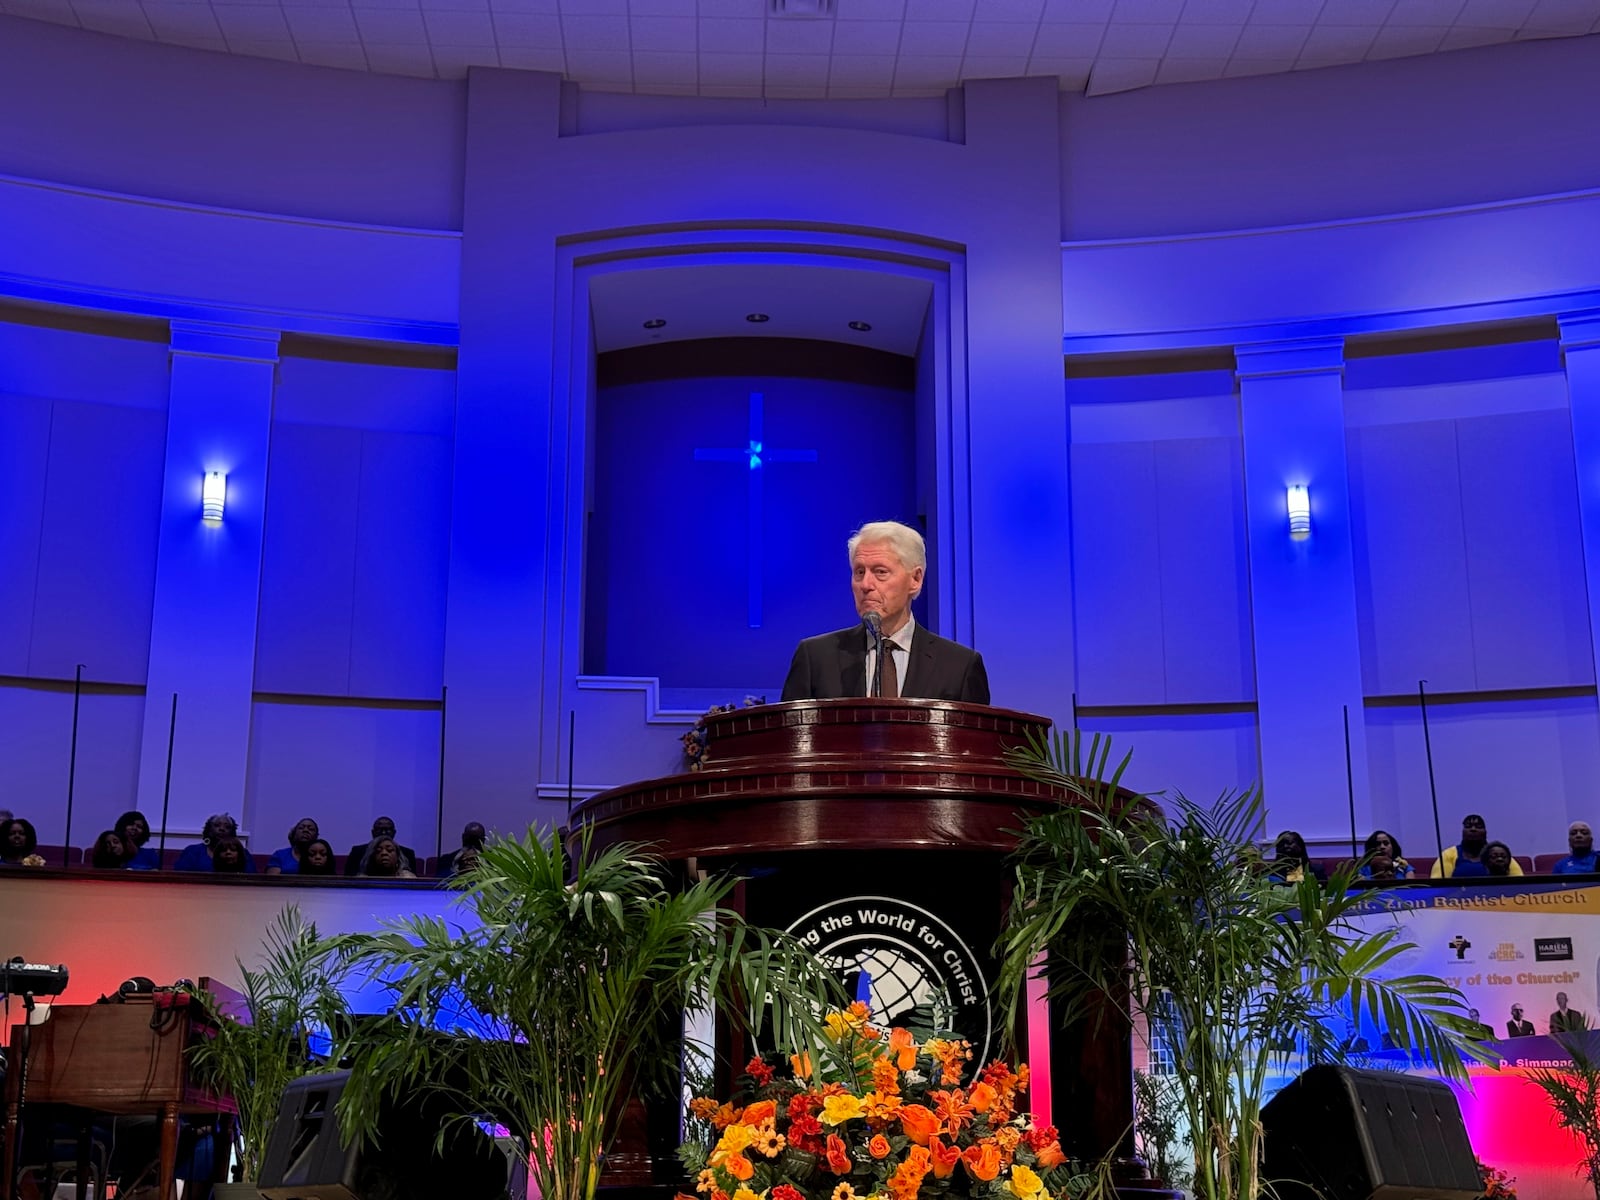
(735, 1138)
(745, 1194)
(707, 1182)
(838, 1109)
(844, 1192)
(769, 1141)
(1025, 1185)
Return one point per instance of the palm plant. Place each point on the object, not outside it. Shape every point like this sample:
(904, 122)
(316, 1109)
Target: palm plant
(252, 1057)
(1574, 1093)
(557, 985)
(1176, 922)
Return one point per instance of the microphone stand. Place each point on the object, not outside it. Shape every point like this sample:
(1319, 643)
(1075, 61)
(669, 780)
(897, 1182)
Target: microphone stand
(876, 633)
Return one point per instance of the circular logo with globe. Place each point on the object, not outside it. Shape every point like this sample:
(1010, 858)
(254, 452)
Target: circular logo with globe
(906, 964)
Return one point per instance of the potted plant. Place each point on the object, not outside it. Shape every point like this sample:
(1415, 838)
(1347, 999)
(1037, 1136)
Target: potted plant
(1172, 920)
(1574, 1092)
(559, 980)
(253, 1055)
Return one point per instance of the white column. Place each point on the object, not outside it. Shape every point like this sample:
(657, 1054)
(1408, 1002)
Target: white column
(1580, 346)
(1302, 592)
(208, 575)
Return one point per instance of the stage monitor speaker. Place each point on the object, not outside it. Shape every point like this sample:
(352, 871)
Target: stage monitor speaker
(305, 1159)
(1337, 1133)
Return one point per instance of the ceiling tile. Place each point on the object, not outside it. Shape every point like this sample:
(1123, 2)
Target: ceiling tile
(391, 26)
(1190, 70)
(1135, 41)
(927, 71)
(723, 8)
(411, 4)
(1495, 14)
(1073, 71)
(1569, 24)
(779, 91)
(481, 6)
(1121, 75)
(1147, 12)
(517, 6)
(663, 8)
(858, 91)
(934, 37)
(316, 24)
(1286, 12)
(1329, 45)
(1068, 41)
(1425, 12)
(595, 31)
(722, 35)
(610, 65)
(459, 28)
(1263, 42)
(527, 29)
(805, 69)
(1356, 12)
(529, 58)
(876, 69)
(1013, 38)
(281, 49)
(660, 66)
(799, 37)
(940, 10)
(668, 34)
(253, 22)
(1009, 10)
(594, 8)
(199, 41)
(113, 16)
(1463, 37)
(400, 60)
(1400, 41)
(175, 20)
(1239, 67)
(1203, 41)
(866, 37)
(1075, 12)
(1216, 12)
(670, 89)
(730, 69)
(982, 66)
(869, 10)
(333, 54)
(57, 12)
(729, 90)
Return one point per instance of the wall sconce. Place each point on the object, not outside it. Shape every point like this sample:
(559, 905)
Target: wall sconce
(213, 496)
(1299, 512)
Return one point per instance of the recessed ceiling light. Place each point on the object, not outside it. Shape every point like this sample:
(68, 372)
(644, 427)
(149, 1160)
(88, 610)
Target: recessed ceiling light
(655, 322)
(757, 318)
(861, 326)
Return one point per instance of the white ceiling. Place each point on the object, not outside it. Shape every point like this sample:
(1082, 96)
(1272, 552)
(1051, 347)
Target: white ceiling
(861, 49)
(712, 300)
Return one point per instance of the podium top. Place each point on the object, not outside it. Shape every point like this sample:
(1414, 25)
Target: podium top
(834, 774)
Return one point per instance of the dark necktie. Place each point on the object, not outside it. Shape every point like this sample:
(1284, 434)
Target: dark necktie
(891, 678)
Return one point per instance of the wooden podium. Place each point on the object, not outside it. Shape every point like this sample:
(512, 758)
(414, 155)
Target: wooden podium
(877, 831)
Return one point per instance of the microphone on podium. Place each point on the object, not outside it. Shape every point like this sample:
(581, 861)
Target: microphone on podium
(875, 633)
(874, 626)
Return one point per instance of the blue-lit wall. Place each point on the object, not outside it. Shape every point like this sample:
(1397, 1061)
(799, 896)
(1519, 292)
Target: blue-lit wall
(449, 506)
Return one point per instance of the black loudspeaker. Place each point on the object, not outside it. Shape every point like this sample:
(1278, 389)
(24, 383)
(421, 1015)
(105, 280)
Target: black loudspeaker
(304, 1159)
(1336, 1133)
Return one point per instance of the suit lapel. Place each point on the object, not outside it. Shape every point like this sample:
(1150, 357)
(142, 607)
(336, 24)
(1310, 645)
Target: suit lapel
(852, 650)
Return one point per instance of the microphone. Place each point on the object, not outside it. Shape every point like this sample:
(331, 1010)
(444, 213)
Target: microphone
(874, 626)
(875, 632)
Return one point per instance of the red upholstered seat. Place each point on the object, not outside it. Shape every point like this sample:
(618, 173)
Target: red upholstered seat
(1543, 862)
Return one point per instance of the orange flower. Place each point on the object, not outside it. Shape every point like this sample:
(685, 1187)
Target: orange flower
(740, 1167)
(1050, 1157)
(879, 1108)
(703, 1107)
(981, 1097)
(801, 1064)
(919, 1123)
(908, 1176)
(952, 1110)
(838, 1155)
(725, 1116)
(761, 1110)
(982, 1160)
(885, 1077)
(878, 1147)
(904, 1047)
(684, 1196)
(945, 1158)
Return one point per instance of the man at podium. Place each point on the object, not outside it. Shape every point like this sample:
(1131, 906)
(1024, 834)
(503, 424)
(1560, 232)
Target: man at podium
(887, 562)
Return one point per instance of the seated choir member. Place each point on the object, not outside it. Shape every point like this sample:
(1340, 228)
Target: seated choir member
(317, 859)
(382, 827)
(1465, 859)
(134, 831)
(228, 857)
(1581, 857)
(198, 857)
(108, 853)
(1499, 861)
(287, 860)
(1386, 844)
(1291, 860)
(383, 861)
(19, 844)
(472, 838)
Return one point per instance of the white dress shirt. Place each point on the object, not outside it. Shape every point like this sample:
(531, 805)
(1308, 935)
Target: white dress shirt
(902, 659)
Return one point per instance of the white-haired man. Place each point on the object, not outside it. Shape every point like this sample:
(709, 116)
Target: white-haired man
(887, 563)
(1581, 860)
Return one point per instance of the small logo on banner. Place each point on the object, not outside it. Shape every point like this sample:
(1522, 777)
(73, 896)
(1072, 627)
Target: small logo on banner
(1506, 952)
(1460, 945)
(1552, 949)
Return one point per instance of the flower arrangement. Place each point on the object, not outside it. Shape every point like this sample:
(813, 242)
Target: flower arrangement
(695, 741)
(891, 1120)
(1496, 1183)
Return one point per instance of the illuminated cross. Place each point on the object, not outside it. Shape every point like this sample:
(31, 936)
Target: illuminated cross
(756, 455)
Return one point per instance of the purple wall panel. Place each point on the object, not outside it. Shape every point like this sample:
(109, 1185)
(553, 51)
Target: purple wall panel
(401, 556)
(308, 560)
(1412, 599)
(269, 136)
(1519, 499)
(24, 458)
(35, 743)
(1117, 589)
(1200, 755)
(97, 547)
(1205, 587)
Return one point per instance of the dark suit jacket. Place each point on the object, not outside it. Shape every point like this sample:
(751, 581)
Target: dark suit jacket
(833, 666)
(1523, 1028)
(352, 862)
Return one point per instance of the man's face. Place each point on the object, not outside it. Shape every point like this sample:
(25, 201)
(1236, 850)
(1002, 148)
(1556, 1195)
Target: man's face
(383, 827)
(1516, 1012)
(882, 584)
(1474, 832)
(473, 834)
(1561, 999)
(1580, 838)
